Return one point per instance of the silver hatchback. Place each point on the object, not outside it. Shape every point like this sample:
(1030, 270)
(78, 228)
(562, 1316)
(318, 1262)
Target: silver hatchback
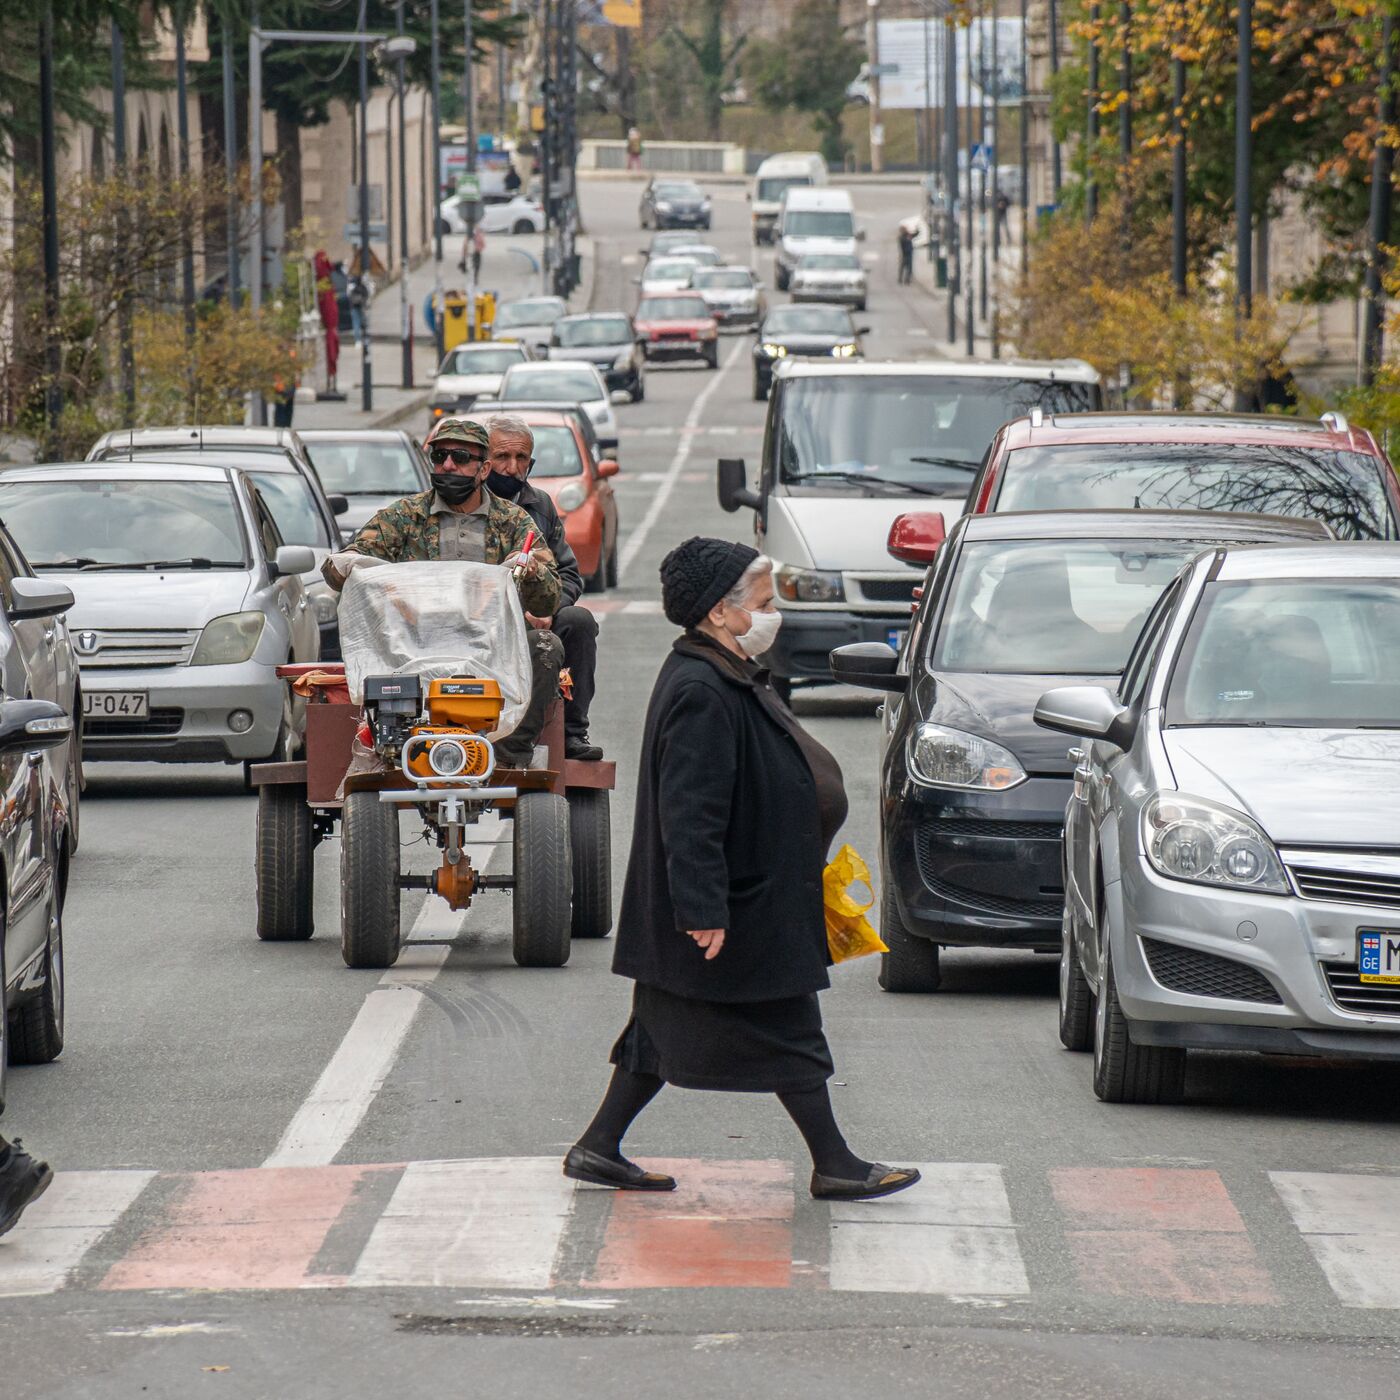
(1232, 864)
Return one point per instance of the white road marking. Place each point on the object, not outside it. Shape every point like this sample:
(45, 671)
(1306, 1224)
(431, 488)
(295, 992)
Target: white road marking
(915, 330)
(491, 1223)
(62, 1225)
(950, 1234)
(1349, 1222)
(632, 547)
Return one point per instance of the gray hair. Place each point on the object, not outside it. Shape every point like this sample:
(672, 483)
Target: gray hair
(745, 582)
(510, 426)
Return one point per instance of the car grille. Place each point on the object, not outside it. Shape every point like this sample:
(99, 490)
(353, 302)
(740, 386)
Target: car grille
(889, 590)
(130, 648)
(987, 903)
(1010, 831)
(1347, 886)
(1199, 974)
(1352, 994)
(160, 721)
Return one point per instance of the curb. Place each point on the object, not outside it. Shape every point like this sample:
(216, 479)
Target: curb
(394, 416)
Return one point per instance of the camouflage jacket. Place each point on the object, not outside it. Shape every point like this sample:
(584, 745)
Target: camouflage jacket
(408, 530)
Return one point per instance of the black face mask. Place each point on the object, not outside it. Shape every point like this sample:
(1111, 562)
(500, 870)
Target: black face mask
(502, 484)
(455, 489)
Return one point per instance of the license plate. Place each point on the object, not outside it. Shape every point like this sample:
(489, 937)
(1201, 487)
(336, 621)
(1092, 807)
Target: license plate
(895, 637)
(1378, 956)
(115, 704)
(672, 344)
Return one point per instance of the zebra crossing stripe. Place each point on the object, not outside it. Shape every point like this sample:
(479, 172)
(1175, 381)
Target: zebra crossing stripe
(1351, 1225)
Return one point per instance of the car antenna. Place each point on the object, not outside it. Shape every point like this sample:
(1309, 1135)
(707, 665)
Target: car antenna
(1137, 502)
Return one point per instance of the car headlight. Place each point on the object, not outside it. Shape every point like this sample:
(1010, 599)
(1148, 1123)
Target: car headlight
(1188, 838)
(325, 602)
(623, 360)
(845, 351)
(709, 333)
(571, 497)
(943, 757)
(773, 350)
(808, 585)
(229, 639)
(663, 206)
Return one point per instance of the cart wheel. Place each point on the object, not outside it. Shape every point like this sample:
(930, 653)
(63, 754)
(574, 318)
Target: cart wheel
(590, 839)
(369, 882)
(284, 863)
(543, 880)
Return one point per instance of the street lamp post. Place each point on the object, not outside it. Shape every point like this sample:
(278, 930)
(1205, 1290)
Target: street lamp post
(1091, 120)
(1056, 161)
(1244, 151)
(53, 351)
(969, 303)
(401, 47)
(182, 133)
(1382, 162)
(435, 202)
(469, 122)
(950, 170)
(996, 182)
(233, 253)
(1025, 150)
(125, 352)
(366, 358)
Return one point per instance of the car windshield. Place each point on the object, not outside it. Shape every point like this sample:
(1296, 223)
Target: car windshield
(808, 320)
(771, 187)
(482, 359)
(1053, 607)
(571, 385)
(365, 468)
(544, 312)
(597, 330)
(671, 309)
(670, 270)
(705, 257)
(893, 428)
(828, 262)
(1344, 489)
(556, 453)
(123, 523)
(1310, 653)
(679, 189)
(818, 223)
(724, 277)
(288, 496)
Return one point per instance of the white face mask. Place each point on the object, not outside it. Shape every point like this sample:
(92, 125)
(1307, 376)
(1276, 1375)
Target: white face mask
(762, 633)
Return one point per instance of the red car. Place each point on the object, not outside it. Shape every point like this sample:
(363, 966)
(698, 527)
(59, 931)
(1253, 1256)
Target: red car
(1262, 463)
(677, 326)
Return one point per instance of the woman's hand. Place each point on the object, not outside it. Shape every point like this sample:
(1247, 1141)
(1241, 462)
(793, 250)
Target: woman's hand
(710, 939)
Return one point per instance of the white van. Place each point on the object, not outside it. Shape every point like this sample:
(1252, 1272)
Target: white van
(813, 221)
(850, 447)
(778, 174)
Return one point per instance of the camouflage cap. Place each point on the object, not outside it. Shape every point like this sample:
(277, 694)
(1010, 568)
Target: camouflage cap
(459, 430)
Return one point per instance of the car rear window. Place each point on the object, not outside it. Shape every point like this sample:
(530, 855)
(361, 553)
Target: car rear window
(1343, 489)
(556, 453)
(672, 309)
(572, 386)
(365, 468)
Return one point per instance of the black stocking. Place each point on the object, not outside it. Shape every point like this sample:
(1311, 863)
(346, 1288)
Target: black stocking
(811, 1110)
(628, 1094)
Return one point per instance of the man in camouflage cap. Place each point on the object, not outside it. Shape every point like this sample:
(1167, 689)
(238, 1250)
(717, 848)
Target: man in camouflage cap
(460, 519)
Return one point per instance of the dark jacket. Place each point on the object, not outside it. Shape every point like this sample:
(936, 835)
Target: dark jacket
(726, 835)
(540, 507)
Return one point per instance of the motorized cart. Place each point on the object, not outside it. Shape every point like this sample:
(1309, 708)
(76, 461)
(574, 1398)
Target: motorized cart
(436, 664)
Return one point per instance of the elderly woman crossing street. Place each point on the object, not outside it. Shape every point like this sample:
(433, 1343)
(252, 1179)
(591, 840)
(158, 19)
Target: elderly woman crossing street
(722, 923)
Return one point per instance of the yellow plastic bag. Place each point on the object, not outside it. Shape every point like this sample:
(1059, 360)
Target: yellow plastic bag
(848, 932)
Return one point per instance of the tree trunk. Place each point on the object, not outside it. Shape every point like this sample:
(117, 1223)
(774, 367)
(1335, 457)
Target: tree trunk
(289, 166)
(626, 81)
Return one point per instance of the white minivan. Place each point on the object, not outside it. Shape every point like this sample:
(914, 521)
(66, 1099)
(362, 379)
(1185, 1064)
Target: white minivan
(848, 448)
(778, 174)
(813, 221)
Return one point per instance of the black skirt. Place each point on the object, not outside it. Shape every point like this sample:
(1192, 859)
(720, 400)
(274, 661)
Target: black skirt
(740, 1047)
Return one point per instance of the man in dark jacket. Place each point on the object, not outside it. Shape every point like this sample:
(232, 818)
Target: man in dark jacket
(510, 457)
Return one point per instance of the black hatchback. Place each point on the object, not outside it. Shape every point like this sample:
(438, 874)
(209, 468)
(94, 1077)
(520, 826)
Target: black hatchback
(973, 792)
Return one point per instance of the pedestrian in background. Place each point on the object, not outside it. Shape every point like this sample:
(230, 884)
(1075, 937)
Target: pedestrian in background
(357, 295)
(722, 924)
(512, 180)
(905, 242)
(478, 248)
(634, 148)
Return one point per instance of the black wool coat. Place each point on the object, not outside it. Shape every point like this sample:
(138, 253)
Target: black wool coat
(726, 835)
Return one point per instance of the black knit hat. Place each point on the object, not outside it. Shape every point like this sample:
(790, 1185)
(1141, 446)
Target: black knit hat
(697, 574)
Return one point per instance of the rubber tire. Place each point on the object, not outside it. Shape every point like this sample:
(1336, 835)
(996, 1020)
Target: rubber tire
(860, 306)
(590, 843)
(369, 881)
(780, 278)
(760, 390)
(911, 965)
(544, 881)
(1076, 996)
(36, 1029)
(1124, 1072)
(522, 226)
(4, 1015)
(284, 864)
(639, 390)
(597, 581)
(712, 360)
(612, 566)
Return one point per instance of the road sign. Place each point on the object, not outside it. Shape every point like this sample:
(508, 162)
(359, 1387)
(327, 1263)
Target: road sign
(378, 233)
(982, 158)
(881, 70)
(469, 186)
(626, 14)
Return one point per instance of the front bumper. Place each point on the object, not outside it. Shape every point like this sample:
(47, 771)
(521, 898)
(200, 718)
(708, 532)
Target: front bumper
(845, 296)
(979, 869)
(735, 315)
(1225, 969)
(683, 218)
(620, 378)
(189, 708)
(806, 640)
(696, 350)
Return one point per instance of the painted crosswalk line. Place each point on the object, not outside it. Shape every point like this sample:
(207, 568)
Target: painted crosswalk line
(1351, 1223)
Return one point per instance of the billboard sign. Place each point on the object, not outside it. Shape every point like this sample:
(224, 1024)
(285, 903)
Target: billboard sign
(914, 48)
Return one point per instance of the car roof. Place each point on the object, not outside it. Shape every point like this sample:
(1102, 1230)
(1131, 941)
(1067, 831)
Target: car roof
(1055, 371)
(817, 197)
(1333, 431)
(120, 469)
(526, 368)
(578, 316)
(1139, 524)
(1350, 559)
(198, 436)
(354, 435)
(532, 417)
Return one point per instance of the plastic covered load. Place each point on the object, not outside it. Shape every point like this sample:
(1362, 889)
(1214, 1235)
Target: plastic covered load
(437, 619)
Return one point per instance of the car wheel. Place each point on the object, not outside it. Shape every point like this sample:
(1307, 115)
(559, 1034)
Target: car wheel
(522, 226)
(860, 306)
(597, 581)
(1076, 999)
(639, 390)
(36, 1037)
(612, 566)
(911, 965)
(760, 389)
(712, 359)
(1124, 1072)
(780, 278)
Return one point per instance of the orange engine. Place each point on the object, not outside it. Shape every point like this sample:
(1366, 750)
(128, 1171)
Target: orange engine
(438, 752)
(464, 703)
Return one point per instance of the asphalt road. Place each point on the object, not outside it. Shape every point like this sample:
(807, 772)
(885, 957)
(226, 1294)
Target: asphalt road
(283, 1178)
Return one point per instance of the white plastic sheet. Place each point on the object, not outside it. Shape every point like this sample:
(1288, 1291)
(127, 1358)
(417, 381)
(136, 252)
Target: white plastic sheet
(433, 620)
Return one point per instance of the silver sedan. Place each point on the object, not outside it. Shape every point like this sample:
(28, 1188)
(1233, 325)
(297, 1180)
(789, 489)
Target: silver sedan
(1232, 872)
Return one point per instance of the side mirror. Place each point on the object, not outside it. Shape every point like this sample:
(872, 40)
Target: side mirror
(636, 281)
(37, 597)
(862, 330)
(916, 536)
(339, 504)
(860, 235)
(733, 486)
(871, 665)
(608, 467)
(619, 396)
(748, 196)
(292, 559)
(1086, 712)
(28, 725)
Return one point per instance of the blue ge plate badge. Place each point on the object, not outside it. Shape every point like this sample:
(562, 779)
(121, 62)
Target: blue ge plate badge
(1378, 957)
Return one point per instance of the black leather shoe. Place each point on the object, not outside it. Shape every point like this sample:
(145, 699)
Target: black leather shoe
(23, 1179)
(593, 1167)
(581, 747)
(881, 1181)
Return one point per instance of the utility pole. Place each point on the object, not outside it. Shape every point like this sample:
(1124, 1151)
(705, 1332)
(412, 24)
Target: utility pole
(1091, 120)
(1125, 116)
(950, 169)
(1244, 151)
(1025, 151)
(405, 325)
(996, 181)
(126, 355)
(232, 273)
(927, 113)
(53, 350)
(182, 135)
(1382, 164)
(1056, 161)
(469, 125)
(366, 359)
(1178, 125)
(435, 202)
(255, 164)
(982, 145)
(971, 234)
(872, 47)
(546, 138)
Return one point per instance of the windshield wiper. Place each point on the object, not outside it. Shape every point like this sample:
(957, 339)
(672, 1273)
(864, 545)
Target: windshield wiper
(195, 563)
(66, 564)
(955, 462)
(861, 479)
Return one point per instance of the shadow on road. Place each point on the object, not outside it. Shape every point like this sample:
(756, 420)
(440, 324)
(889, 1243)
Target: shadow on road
(126, 780)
